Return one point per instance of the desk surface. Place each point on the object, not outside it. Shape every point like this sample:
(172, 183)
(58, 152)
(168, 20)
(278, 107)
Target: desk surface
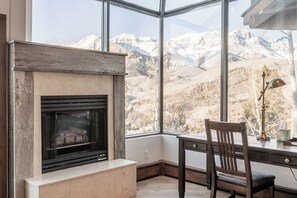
(270, 152)
(252, 142)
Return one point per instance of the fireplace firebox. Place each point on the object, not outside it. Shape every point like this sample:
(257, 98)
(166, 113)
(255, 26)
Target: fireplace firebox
(74, 131)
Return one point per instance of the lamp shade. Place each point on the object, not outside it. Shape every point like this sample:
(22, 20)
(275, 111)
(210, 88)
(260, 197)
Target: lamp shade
(276, 82)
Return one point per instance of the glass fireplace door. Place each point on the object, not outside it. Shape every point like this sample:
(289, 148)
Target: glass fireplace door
(72, 133)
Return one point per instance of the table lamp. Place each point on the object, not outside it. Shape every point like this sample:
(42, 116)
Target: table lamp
(274, 83)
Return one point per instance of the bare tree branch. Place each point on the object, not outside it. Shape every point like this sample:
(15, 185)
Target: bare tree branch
(282, 31)
(282, 38)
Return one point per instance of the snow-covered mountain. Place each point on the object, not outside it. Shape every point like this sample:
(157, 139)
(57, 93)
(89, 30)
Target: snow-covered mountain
(143, 45)
(90, 42)
(193, 49)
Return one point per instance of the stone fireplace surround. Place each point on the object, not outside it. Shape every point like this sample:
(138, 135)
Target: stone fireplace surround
(37, 70)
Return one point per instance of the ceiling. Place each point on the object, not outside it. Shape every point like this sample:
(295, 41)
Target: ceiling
(272, 15)
(162, 8)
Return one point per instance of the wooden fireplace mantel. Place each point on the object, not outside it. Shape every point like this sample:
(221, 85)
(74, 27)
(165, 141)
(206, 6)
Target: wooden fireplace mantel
(35, 57)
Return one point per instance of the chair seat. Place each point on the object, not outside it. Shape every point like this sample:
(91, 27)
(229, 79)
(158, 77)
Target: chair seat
(258, 178)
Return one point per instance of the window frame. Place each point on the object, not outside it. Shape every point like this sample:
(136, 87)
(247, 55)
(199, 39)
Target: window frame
(161, 15)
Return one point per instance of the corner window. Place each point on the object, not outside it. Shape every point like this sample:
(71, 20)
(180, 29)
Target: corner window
(192, 65)
(136, 35)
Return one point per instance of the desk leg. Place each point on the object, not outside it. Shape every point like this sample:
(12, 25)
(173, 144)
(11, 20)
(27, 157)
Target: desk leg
(182, 167)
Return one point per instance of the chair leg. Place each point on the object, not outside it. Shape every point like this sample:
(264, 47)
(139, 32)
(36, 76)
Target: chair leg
(271, 191)
(249, 193)
(213, 193)
(232, 194)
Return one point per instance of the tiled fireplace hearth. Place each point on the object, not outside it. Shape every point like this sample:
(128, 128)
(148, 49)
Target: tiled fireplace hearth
(41, 72)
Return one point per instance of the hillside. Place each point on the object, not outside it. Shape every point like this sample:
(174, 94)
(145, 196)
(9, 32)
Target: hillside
(192, 79)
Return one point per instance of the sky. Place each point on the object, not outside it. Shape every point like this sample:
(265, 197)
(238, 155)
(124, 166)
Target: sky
(66, 21)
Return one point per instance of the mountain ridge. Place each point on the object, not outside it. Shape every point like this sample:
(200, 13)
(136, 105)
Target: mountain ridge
(193, 49)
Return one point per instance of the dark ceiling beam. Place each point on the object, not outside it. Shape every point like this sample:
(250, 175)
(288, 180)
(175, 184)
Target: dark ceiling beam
(135, 7)
(190, 7)
(162, 12)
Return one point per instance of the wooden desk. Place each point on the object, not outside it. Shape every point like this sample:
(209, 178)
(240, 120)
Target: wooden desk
(270, 152)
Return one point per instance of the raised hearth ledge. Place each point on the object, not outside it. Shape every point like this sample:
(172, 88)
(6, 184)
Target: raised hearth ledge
(79, 171)
(114, 178)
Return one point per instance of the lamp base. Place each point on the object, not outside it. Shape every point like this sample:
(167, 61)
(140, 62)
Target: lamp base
(263, 137)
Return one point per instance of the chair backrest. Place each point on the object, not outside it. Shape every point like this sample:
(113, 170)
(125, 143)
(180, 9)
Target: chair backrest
(220, 140)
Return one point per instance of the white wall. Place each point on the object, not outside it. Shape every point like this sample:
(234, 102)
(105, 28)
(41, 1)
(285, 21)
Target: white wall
(170, 153)
(166, 148)
(144, 150)
(18, 20)
(5, 9)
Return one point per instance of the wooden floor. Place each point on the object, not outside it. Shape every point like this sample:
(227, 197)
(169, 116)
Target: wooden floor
(167, 187)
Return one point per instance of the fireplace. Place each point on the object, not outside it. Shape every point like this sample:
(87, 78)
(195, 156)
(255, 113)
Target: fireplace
(74, 131)
(37, 71)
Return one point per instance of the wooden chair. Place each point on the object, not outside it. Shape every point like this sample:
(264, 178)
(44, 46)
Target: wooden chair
(225, 171)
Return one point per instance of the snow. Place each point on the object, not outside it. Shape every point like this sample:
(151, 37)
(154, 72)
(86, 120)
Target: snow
(195, 49)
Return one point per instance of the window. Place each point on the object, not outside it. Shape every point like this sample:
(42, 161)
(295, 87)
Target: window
(192, 62)
(73, 23)
(136, 35)
(262, 37)
(259, 40)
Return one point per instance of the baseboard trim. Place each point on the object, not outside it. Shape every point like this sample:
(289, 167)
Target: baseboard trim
(149, 170)
(170, 169)
(193, 175)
